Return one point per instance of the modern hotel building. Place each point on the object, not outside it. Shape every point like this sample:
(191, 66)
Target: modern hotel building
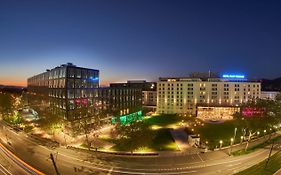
(194, 94)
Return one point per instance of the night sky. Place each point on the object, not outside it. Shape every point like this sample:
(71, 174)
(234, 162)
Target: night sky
(140, 39)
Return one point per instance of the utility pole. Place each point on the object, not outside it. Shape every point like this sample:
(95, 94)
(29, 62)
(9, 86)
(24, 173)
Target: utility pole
(269, 155)
(54, 163)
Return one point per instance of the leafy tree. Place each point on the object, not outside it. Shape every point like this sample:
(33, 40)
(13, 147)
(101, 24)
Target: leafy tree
(135, 135)
(6, 103)
(86, 123)
(50, 121)
(258, 122)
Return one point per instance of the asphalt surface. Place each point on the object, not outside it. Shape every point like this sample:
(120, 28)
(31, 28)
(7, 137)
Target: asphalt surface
(8, 166)
(74, 162)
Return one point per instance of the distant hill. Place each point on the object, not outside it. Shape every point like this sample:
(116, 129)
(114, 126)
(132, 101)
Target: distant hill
(271, 85)
(8, 88)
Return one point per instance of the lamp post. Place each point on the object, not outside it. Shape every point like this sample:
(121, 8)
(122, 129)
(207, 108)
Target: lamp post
(54, 164)
(231, 143)
(206, 149)
(235, 131)
(264, 131)
(269, 155)
(221, 143)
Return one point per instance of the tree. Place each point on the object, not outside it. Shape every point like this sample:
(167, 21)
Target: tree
(6, 103)
(49, 121)
(87, 122)
(267, 118)
(135, 135)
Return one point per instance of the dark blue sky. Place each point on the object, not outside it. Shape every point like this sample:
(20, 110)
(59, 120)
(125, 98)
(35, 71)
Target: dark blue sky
(140, 39)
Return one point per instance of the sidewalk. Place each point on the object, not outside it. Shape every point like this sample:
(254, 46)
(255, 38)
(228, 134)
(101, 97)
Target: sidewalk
(277, 172)
(180, 138)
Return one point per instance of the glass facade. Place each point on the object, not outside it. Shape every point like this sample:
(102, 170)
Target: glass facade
(68, 89)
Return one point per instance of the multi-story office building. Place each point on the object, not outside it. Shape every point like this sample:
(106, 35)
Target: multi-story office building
(149, 93)
(70, 91)
(62, 87)
(185, 95)
(141, 84)
(149, 98)
(119, 103)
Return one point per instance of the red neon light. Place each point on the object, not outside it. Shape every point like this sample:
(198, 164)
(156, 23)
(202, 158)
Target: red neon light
(252, 111)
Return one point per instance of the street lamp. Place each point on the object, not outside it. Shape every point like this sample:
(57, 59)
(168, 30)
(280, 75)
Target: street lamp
(235, 131)
(241, 139)
(206, 149)
(221, 143)
(231, 143)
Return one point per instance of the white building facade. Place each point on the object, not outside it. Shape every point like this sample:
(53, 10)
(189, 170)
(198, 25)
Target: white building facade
(149, 98)
(269, 95)
(184, 95)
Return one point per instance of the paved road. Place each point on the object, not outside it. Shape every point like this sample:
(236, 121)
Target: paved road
(76, 162)
(8, 166)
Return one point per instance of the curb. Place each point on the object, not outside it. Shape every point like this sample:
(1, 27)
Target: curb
(112, 152)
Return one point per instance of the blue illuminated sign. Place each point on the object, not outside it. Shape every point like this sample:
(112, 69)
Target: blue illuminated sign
(233, 76)
(94, 78)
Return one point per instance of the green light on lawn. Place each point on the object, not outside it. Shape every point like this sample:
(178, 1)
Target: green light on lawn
(113, 120)
(127, 119)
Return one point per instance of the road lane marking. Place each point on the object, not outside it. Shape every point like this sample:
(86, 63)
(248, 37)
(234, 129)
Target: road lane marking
(233, 164)
(243, 158)
(20, 162)
(109, 172)
(189, 167)
(200, 157)
(4, 170)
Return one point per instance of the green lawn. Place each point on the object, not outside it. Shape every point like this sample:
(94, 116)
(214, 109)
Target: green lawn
(255, 147)
(214, 132)
(162, 120)
(162, 141)
(273, 165)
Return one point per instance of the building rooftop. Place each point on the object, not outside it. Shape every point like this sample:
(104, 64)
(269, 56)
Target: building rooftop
(194, 79)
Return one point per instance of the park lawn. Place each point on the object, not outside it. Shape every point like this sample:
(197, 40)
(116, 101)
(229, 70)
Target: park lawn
(214, 132)
(273, 165)
(163, 119)
(255, 147)
(162, 141)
